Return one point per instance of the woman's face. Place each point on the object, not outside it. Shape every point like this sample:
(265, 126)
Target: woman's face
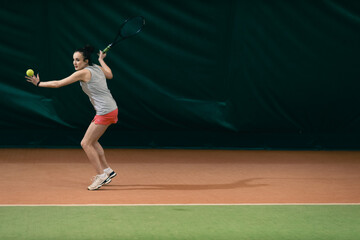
(78, 61)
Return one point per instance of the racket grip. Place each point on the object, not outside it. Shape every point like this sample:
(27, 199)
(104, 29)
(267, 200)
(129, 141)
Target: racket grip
(107, 48)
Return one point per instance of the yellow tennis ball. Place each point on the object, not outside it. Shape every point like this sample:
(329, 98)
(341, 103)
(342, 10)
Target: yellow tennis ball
(30, 72)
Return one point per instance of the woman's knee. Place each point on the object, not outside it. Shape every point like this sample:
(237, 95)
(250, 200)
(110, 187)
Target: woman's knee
(85, 143)
(99, 148)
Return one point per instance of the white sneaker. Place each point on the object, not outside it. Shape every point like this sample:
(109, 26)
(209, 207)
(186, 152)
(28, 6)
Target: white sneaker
(98, 181)
(111, 175)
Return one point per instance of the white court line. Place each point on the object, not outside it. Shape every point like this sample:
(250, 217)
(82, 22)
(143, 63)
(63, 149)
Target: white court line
(190, 204)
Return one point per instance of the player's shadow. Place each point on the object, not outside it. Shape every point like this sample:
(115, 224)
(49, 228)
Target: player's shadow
(245, 183)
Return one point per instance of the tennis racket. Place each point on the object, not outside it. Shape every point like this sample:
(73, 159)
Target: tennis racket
(129, 28)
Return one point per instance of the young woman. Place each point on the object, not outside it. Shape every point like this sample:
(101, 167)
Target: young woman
(92, 79)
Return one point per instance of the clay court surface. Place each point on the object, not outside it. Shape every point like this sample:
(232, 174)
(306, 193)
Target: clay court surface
(61, 176)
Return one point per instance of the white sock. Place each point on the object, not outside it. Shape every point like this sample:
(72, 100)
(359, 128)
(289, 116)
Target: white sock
(108, 170)
(102, 175)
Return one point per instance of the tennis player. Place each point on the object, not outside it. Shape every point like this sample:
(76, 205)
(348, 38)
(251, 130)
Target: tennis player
(92, 79)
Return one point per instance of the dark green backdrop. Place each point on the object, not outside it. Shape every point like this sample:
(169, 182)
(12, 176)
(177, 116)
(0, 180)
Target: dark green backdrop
(243, 74)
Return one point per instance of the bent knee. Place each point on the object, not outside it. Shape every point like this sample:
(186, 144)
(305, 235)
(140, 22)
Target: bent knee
(85, 144)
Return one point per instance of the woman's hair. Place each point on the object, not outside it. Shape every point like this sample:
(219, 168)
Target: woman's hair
(86, 52)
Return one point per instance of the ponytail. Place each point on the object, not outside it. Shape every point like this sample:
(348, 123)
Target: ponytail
(86, 52)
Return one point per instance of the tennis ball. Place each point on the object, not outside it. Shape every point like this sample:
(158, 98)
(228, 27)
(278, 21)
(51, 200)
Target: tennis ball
(30, 72)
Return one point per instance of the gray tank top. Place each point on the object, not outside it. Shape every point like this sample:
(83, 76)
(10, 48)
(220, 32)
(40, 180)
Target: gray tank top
(98, 91)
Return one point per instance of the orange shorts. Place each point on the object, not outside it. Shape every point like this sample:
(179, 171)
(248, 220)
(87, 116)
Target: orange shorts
(107, 119)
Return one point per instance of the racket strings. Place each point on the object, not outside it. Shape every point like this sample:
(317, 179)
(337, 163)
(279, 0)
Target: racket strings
(132, 26)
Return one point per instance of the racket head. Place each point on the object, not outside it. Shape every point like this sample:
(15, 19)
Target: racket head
(131, 26)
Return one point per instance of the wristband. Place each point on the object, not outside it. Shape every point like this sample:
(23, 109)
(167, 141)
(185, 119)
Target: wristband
(38, 84)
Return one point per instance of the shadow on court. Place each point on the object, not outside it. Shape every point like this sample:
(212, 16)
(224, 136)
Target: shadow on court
(246, 183)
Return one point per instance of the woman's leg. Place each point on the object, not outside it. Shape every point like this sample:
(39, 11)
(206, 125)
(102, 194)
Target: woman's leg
(101, 154)
(92, 135)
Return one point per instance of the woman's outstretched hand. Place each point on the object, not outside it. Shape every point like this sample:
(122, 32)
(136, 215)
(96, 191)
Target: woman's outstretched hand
(33, 79)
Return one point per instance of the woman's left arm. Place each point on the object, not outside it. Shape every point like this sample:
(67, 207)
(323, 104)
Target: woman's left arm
(81, 75)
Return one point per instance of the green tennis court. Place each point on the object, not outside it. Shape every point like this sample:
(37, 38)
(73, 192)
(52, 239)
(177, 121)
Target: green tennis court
(278, 222)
